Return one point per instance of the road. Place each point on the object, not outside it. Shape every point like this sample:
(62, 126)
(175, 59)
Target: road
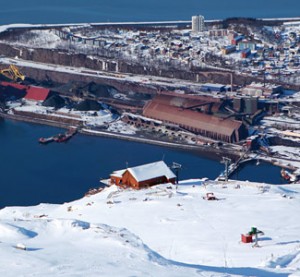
(140, 79)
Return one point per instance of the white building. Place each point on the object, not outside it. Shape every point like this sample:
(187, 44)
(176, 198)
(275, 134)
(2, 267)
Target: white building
(197, 23)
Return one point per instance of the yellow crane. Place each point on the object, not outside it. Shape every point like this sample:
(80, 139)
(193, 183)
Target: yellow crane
(13, 73)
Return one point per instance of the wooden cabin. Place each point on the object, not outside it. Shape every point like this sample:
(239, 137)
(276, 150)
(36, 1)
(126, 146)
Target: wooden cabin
(143, 176)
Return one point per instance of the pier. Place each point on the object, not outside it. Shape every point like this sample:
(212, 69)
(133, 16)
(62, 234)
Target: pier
(230, 168)
(229, 149)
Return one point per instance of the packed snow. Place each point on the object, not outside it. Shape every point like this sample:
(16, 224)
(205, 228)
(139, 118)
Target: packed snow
(165, 230)
(149, 171)
(119, 126)
(89, 118)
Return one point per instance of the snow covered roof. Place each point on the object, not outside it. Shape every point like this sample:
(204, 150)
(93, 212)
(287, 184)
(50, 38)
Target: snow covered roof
(150, 171)
(213, 85)
(118, 173)
(291, 134)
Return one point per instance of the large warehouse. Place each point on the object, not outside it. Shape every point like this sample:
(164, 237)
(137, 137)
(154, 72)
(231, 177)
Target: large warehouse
(226, 130)
(204, 103)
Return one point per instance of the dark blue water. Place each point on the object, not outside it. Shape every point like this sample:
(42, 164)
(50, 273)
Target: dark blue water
(262, 172)
(31, 173)
(66, 11)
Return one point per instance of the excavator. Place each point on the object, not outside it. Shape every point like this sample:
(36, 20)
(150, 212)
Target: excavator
(12, 73)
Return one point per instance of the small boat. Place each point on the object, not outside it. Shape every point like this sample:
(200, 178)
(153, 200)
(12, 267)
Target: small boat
(62, 137)
(66, 136)
(285, 174)
(46, 140)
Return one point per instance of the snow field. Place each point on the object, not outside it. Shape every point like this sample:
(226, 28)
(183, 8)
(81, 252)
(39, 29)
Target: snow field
(161, 231)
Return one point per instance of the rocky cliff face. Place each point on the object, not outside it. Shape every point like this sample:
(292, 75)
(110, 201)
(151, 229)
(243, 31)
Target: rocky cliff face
(62, 78)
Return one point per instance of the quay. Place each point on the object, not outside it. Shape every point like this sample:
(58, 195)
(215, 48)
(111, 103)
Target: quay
(230, 150)
(231, 168)
(229, 118)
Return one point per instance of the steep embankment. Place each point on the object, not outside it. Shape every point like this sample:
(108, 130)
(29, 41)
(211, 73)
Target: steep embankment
(70, 58)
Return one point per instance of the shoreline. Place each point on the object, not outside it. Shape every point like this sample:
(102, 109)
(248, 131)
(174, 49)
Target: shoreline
(210, 152)
(6, 27)
(214, 153)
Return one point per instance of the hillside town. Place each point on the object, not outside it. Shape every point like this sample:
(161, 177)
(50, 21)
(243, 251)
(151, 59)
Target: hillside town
(228, 88)
(232, 91)
(268, 51)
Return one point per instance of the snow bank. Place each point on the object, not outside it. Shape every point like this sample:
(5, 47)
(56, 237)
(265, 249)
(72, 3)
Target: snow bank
(165, 230)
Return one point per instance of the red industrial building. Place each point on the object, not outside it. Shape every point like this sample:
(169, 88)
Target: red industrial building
(37, 93)
(10, 92)
(204, 103)
(33, 93)
(143, 175)
(223, 129)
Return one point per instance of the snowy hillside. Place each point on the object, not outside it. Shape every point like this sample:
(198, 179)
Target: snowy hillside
(161, 231)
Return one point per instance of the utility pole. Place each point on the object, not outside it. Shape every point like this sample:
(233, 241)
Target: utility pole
(177, 167)
(231, 81)
(227, 162)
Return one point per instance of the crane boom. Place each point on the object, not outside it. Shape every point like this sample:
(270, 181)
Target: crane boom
(12, 73)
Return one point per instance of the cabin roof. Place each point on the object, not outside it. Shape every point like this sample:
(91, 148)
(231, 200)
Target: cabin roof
(118, 173)
(151, 171)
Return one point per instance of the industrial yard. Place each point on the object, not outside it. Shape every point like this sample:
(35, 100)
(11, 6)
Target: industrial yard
(172, 146)
(229, 87)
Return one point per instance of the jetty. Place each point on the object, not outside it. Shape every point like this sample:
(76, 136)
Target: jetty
(230, 168)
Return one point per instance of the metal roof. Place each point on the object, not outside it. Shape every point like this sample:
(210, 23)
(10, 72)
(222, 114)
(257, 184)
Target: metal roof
(191, 119)
(37, 93)
(33, 92)
(151, 171)
(193, 97)
(118, 173)
(146, 171)
(184, 102)
(15, 85)
(210, 85)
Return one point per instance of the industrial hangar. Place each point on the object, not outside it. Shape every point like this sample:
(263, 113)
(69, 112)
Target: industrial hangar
(196, 114)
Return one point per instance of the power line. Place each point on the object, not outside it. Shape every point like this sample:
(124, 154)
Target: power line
(227, 162)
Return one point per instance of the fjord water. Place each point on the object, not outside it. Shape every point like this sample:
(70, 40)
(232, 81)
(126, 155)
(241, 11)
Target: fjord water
(31, 173)
(76, 11)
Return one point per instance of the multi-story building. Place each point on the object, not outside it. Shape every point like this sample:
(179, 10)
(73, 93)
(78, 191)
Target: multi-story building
(198, 23)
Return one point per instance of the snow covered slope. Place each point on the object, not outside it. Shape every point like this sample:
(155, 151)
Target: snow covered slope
(161, 231)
